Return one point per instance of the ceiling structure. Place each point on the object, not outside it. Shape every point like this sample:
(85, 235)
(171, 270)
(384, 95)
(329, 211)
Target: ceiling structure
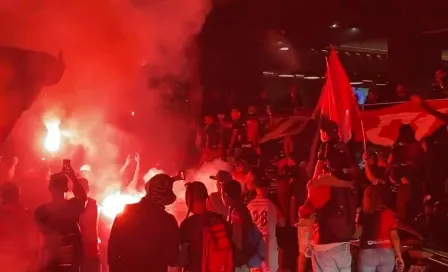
(244, 38)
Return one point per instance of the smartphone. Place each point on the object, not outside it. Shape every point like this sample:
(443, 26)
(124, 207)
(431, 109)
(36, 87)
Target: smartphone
(66, 165)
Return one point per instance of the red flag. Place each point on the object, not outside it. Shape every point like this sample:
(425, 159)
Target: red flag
(23, 73)
(337, 101)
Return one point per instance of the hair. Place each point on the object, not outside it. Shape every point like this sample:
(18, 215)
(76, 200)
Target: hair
(406, 134)
(373, 199)
(232, 189)
(59, 182)
(9, 192)
(196, 191)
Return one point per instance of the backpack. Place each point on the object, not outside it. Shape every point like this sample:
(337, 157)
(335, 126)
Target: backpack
(217, 253)
(337, 218)
(254, 247)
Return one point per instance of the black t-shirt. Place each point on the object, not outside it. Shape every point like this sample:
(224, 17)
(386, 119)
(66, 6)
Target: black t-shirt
(144, 238)
(62, 236)
(241, 136)
(191, 234)
(337, 159)
(212, 136)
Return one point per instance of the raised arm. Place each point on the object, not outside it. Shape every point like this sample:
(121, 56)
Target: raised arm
(125, 166)
(426, 107)
(12, 170)
(136, 176)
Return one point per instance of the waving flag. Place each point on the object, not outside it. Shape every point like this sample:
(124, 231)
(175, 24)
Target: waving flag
(23, 74)
(337, 101)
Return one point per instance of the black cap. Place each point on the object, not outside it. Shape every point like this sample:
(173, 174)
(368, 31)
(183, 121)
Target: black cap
(160, 189)
(222, 176)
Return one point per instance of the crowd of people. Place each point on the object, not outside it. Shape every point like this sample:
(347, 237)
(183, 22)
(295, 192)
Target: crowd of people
(290, 220)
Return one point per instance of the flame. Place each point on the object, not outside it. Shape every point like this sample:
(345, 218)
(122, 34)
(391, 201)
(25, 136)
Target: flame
(114, 204)
(53, 139)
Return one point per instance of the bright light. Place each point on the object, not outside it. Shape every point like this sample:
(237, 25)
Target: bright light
(335, 25)
(114, 204)
(356, 83)
(53, 138)
(285, 75)
(311, 77)
(284, 48)
(132, 113)
(86, 168)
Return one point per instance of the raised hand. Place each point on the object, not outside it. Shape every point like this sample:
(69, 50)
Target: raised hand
(128, 160)
(15, 161)
(137, 157)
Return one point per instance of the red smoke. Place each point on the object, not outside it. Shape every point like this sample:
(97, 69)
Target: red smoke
(104, 44)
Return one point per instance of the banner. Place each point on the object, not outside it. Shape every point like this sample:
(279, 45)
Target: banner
(380, 125)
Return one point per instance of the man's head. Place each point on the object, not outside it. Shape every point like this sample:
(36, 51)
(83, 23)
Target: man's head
(160, 189)
(58, 185)
(372, 95)
(235, 114)
(252, 110)
(440, 74)
(328, 130)
(195, 196)
(9, 193)
(252, 176)
(400, 91)
(208, 120)
(221, 177)
(262, 186)
(231, 193)
(85, 184)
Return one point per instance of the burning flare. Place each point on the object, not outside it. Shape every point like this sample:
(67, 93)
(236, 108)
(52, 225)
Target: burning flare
(114, 204)
(53, 139)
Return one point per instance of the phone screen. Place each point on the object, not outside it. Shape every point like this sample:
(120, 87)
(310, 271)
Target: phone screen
(66, 165)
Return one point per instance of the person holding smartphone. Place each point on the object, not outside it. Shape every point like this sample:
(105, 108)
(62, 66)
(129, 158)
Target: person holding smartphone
(58, 221)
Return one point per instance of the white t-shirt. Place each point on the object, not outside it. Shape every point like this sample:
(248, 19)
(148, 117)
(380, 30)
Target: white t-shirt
(264, 215)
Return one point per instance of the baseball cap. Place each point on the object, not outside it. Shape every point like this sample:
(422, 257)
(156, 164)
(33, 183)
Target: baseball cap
(222, 176)
(160, 189)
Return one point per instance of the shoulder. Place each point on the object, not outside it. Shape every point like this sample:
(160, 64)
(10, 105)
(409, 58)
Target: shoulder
(388, 213)
(128, 210)
(41, 211)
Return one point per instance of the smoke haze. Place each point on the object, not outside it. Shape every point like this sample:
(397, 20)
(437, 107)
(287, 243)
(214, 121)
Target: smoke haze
(104, 45)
